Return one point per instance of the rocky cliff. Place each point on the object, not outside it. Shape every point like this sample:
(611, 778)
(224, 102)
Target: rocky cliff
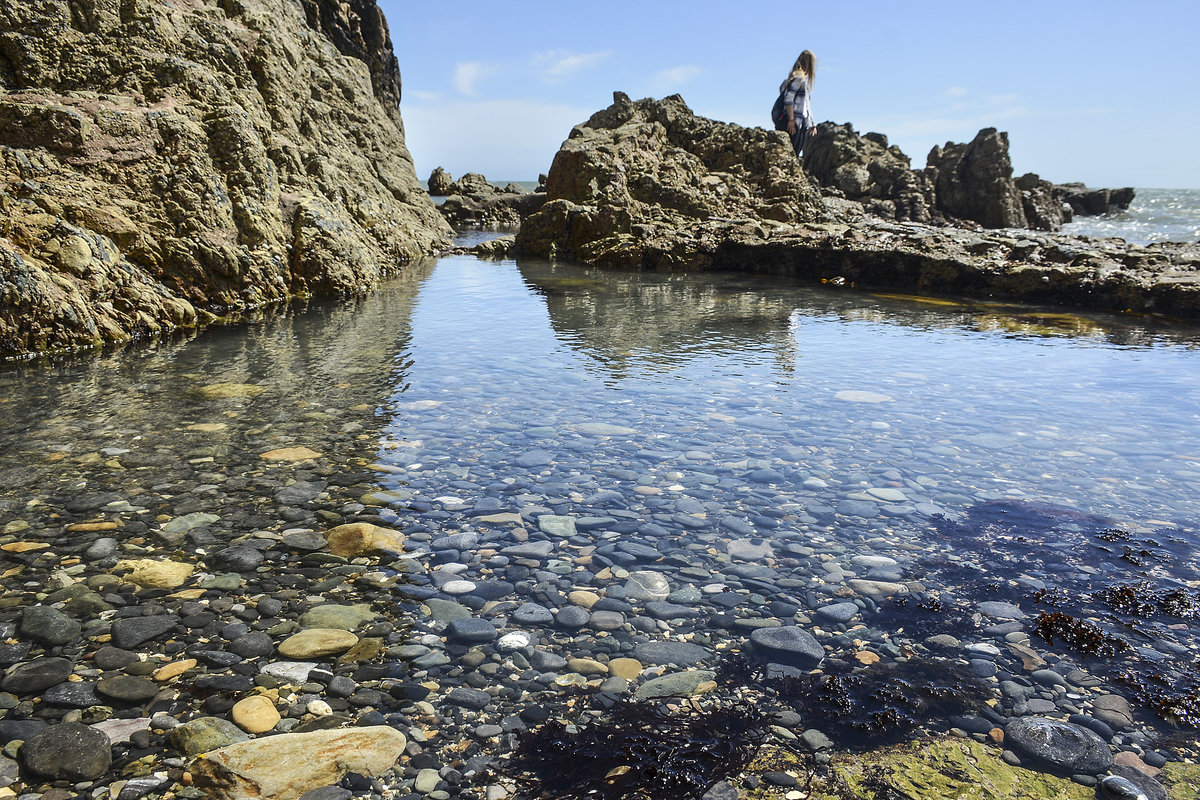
(166, 164)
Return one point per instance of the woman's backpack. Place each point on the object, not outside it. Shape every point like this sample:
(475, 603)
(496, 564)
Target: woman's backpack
(779, 114)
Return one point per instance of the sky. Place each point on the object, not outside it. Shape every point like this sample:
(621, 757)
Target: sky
(1101, 92)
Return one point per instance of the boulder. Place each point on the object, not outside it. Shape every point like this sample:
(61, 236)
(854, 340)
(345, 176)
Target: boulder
(440, 183)
(288, 765)
(1045, 208)
(865, 168)
(649, 183)
(166, 165)
(1094, 202)
(974, 181)
(473, 184)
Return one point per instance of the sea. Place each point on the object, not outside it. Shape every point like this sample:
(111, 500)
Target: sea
(1155, 215)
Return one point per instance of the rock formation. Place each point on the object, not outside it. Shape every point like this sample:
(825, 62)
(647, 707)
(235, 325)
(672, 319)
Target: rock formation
(969, 184)
(166, 164)
(974, 181)
(647, 183)
(866, 169)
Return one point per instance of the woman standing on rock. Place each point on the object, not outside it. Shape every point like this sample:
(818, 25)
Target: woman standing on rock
(795, 91)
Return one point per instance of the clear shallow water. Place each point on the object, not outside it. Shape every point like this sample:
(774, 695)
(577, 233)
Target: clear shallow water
(1155, 215)
(776, 440)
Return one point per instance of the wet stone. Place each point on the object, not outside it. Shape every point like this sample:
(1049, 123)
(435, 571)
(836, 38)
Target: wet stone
(788, 645)
(49, 626)
(1058, 746)
(67, 750)
(838, 612)
(36, 675)
(130, 632)
(127, 688)
(471, 631)
(681, 653)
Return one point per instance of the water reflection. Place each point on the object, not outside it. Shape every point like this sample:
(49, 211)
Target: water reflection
(657, 321)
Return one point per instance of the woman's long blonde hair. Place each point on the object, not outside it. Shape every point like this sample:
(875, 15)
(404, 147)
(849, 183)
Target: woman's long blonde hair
(806, 66)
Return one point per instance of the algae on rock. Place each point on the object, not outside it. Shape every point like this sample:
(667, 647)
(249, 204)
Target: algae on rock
(162, 165)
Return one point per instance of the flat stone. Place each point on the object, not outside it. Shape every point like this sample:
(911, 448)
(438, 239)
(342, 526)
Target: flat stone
(67, 751)
(475, 699)
(294, 673)
(627, 668)
(788, 645)
(675, 684)
(647, 585)
(49, 626)
(532, 614)
(838, 612)
(128, 633)
(855, 396)
(877, 588)
(204, 734)
(35, 675)
(681, 653)
(1001, 610)
(127, 688)
(290, 764)
(152, 574)
(332, 615)
(556, 525)
(363, 538)
(317, 643)
(534, 550)
(290, 454)
(471, 631)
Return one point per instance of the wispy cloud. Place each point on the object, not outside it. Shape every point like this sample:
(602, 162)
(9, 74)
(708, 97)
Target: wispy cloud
(558, 65)
(467, 75)
(956, 91)
(675, 76)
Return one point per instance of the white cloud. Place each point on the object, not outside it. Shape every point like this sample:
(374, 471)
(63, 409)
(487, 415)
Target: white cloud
(675, 76)
(466, 75)
(558, 65)
(504, 139)
(956, 91)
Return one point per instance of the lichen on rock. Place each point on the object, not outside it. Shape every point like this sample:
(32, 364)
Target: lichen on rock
(165, 165)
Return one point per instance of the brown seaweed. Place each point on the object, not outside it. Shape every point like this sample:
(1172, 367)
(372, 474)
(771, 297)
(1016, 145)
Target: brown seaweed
(641, 750)
(1084, 637)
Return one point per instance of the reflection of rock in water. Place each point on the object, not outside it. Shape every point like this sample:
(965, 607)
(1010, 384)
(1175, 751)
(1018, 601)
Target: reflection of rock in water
(659, 322)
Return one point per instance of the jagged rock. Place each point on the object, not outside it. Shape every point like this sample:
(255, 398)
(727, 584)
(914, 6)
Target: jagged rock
(974, 181)
(501, 210)
(1045, 209)
(865, 168)
(473, 184)
(631, 185)
(440, 183)
(170, 164)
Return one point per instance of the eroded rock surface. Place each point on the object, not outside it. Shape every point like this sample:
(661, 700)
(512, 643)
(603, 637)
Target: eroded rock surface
(630, 184)
(163, 165)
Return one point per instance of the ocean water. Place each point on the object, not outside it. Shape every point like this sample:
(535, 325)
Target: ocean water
(1155, 215)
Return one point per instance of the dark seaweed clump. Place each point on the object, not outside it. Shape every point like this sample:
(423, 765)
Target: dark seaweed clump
(1174, 697)
(884, 703)
(641, 750)
(1143, 600)
(1084, 637)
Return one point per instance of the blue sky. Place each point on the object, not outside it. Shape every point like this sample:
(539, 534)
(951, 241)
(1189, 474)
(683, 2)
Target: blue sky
(1101, 92)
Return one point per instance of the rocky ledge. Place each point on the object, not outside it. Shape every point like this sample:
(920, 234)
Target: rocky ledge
(163, 165)
(650, 185)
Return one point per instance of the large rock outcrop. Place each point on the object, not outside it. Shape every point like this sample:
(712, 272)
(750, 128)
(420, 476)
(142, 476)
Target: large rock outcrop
(974, 181)
(964, 184)
(165, 164)
(866, 169)
(649, 183)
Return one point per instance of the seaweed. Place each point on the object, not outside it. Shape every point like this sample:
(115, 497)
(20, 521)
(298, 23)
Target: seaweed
(1175, 698)
(882, 703)
(641, 750)
(1143, 600)
(1087, 639)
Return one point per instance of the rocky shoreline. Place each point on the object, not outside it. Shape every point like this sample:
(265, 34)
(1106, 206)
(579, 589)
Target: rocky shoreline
(648, 185)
